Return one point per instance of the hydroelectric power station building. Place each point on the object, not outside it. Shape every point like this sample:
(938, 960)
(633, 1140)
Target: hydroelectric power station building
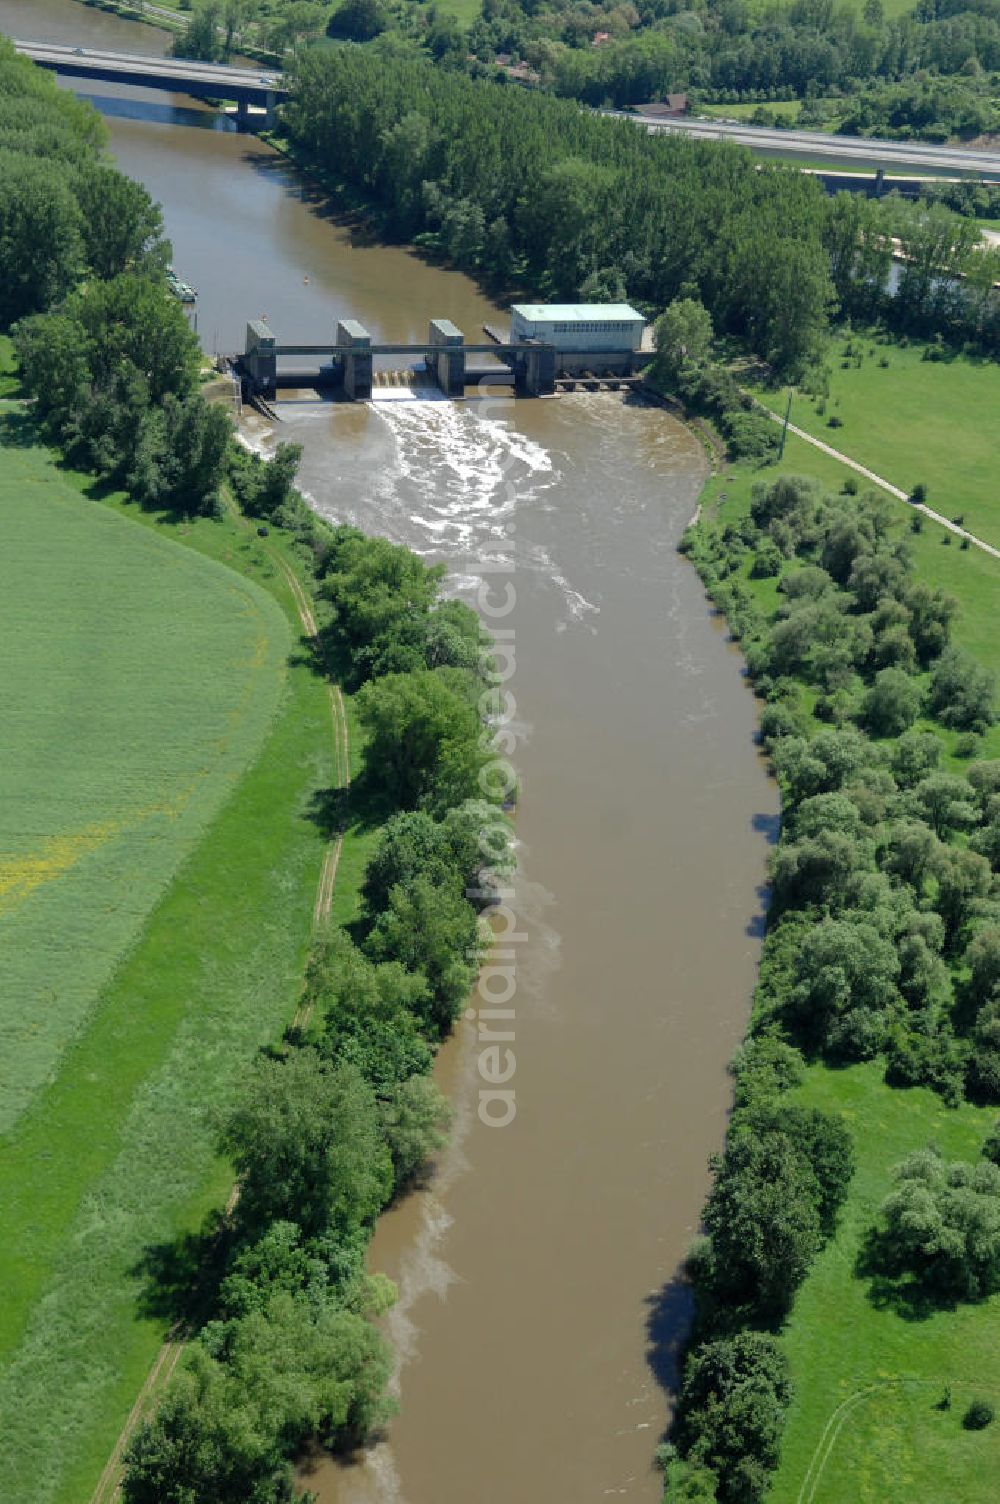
(579, 328)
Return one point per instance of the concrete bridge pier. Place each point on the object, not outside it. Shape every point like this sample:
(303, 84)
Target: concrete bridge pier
(260, 362)
(535, 373)
(357, 359)
(447, 364)
(243, 114)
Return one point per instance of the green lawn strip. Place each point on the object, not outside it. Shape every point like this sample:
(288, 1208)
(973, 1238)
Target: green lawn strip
(893, 1444)
(118, 1156)
(912, 421)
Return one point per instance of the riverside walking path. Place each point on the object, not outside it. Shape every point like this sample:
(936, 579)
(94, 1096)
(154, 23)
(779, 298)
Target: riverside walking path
(880, 481)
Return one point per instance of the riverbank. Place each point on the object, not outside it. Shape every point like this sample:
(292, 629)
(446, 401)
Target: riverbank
(866, 1420)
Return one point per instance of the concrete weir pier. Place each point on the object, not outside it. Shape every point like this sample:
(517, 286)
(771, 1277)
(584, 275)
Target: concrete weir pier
(535, 363)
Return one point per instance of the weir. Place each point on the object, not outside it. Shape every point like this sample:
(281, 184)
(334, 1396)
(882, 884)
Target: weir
(345, 365)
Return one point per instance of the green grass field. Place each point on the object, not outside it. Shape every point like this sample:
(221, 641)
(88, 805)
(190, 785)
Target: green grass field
(141, 680)
(915, 420)
(864, 1427)
(161, 732)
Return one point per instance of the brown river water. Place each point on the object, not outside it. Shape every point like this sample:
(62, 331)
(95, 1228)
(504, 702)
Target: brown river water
(538, 1313)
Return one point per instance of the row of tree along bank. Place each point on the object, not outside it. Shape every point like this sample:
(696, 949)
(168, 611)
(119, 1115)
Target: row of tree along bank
(883, 942)
(342, 1117)
(529, 191)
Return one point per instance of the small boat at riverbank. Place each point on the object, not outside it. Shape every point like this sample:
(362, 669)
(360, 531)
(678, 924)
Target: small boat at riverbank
(181, 290)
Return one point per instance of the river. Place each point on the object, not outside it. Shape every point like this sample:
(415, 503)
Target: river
(539, 1311)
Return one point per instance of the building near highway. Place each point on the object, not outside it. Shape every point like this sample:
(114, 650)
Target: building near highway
(579, 328)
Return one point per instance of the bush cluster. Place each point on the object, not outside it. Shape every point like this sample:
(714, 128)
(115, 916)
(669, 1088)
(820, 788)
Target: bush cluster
(883, 940)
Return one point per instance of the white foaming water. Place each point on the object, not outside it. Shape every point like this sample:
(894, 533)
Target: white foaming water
(469, 475)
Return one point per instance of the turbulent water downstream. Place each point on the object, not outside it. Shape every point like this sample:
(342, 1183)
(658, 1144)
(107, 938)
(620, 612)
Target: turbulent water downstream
(538, 1312)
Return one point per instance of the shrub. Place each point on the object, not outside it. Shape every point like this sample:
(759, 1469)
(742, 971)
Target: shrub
(962, 692)
(978, 1416)
(918, 495)
(892, 704)
(941, 1226)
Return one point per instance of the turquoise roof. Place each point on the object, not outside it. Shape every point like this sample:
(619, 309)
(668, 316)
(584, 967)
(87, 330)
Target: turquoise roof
(576, 313)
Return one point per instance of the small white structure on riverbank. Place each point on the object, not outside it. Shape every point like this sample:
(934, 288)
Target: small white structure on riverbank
(578, 328)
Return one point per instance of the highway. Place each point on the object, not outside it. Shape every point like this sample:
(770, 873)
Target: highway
(266, 87)
(156, 72)
(895, 156)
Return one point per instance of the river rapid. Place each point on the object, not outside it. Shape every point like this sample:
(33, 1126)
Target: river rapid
(539, 1313)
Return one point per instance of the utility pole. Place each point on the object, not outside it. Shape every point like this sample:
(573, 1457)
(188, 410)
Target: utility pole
(784, 430)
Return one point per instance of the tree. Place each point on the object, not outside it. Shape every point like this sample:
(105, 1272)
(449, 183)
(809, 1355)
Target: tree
(762, 1217)
(962, 877)
(203, 1443)
(844, 982)
(962, 692)
(909, 847)
(357, 20)
(822, 1138)
(433, 931)
(683, 338)
(915, 754)
(307, 1146)
(731, 1412)
(946, 802)
(982, 957)
(372, 1013)
(41, 247)
(415, 1119)
(892, 704)
(381, 596)
(310, 1369)
(424, 740)
(121, 227)
(55, 372)
(202, 37)
(941, 1225)
(816, 870)
(133, 317)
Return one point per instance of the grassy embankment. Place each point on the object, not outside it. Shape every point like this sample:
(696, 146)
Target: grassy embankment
(864, 1423)
(165, 716)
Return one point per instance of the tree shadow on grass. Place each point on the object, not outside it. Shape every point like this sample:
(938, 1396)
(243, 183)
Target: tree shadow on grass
(180, 1278)
(18, 431)
(893, 1287)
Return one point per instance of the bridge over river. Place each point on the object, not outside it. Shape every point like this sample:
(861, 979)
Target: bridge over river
(245, 86)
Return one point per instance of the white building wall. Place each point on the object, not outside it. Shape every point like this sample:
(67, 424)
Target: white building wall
(580, 335)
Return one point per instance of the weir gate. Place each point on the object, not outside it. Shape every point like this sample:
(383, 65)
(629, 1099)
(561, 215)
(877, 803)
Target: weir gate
(346, 364)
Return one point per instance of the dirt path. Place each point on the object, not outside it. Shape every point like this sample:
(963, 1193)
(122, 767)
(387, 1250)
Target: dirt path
(109, 1483)
(885, 485)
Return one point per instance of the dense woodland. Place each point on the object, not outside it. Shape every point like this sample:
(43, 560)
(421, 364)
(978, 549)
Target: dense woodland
(528, 191)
